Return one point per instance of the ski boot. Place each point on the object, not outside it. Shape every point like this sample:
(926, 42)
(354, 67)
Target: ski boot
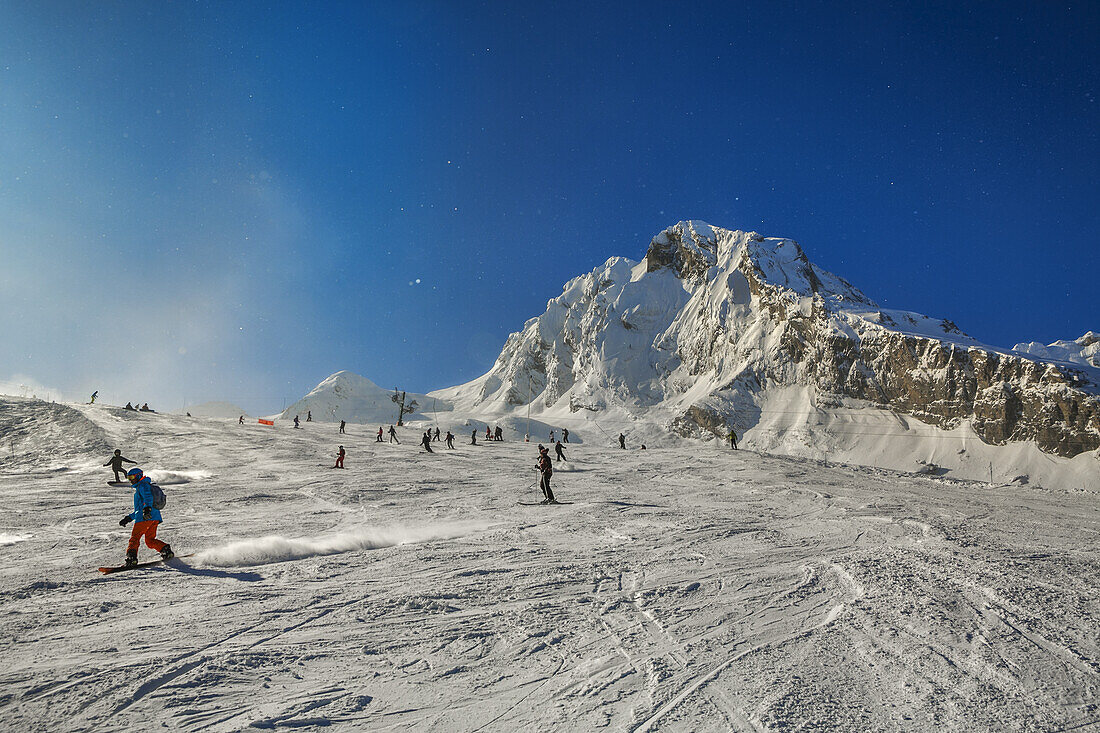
(166, 553)
(131, 560)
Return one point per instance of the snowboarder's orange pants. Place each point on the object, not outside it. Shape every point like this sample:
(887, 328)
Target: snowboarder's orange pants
(148, 530)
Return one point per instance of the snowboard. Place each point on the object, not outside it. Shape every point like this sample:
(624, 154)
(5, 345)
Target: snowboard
(542, 503)
(118, 483)
(121, 568)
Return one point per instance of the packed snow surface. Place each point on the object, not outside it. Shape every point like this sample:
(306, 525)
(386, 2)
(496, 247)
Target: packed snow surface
(687, 588)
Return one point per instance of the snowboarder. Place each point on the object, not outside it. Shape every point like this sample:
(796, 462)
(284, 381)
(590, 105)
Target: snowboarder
(145, 519)
(116, 462)
(560, 451)
(129, 407)
(426, 441)
(342, 424)
(309, 415)
(565, 435)
(146, 408)
(436, 438)
(94, 395)
(340, 458)
(450, 440)
(473, 437)
(546, 468)
(379, 438)
(296, 425)
(393, 436)
(499, 434)
(240, 420)
(733, 439)
(622, 441)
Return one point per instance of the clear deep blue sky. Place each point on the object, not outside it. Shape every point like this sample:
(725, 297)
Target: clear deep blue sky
(211, 200)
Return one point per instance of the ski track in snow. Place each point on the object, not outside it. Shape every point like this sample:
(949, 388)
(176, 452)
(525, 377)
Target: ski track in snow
(687, 589)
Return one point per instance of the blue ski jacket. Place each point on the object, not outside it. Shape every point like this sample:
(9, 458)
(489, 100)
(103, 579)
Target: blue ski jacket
(143, 497)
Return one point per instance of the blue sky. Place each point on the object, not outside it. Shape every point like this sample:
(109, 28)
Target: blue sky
(231, 201)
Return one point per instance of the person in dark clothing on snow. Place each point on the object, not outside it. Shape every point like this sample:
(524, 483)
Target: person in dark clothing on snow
(309, 415)
(733, 439)
(379, 438)
(488, 433)
(560, 451)
(565, 435)
(296, 425)
(546, 468)
(340, 458)
(436, 437)
(622, 441)
(94, 395)
(129, 407)
(145, 519)
(450, 440)
(342, 424)
(498, 434)
(426, 441)
(240, 420)
(393, 436)
(473, 437)
(116, 462)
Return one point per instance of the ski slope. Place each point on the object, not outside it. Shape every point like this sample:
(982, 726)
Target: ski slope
(688, 588)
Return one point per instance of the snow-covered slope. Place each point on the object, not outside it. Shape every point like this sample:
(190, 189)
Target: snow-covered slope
(686, 589)
(355, 399)
(716, 329)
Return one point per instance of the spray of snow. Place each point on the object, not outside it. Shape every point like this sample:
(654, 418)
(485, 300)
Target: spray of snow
(11, 539)
(272, 549)
(175, 477)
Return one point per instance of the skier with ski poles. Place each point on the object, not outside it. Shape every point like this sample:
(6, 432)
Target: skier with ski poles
(426, 441)
(145, 517)
(116, 462)
(546, 468)
(560, 451)
(393, 436)
(340, 458)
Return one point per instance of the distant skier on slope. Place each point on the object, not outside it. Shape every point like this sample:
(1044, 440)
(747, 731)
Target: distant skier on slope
(379, 438)
(94, 395)
(488, 433)
(309, 415)
(436, 436)
(565, 435)
(426, 441)
(560, 451)
(145, 519)
(116, 461)
(240, 420)
(732, 438)
(393, 436)
(498, 434)
(473, 437)
(622, 441)
(342, 424)
(296, 425)
(546, 468)
(450, 440)
(340, 458)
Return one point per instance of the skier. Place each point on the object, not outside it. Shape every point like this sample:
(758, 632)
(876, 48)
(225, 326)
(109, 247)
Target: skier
(546, 468)
(145, 519)
(488, 433)
(560, 451)
(622, 441)
(340, 458)
(240, 420)
(393, 436)
(309, 415)
(499, 434)
(552, 437)
(94, 395)
(342, 424)
(436, 437)
(565, 435)
(426, 441)
(116, 461)
(379, 438)
(450, 440)
(296, 425)
(733, 439)
(473, 437)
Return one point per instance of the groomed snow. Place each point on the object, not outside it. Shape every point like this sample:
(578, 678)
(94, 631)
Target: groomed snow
(688, 588)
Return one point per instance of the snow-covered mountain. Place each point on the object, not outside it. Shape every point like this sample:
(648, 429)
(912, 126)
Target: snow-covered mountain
(718, 328)
(348, 396)
(1084, 351)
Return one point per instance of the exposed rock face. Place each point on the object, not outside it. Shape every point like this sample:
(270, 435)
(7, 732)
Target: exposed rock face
(712, 319)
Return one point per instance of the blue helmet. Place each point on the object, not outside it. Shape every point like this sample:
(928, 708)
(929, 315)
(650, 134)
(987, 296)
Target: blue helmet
(135, 474)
